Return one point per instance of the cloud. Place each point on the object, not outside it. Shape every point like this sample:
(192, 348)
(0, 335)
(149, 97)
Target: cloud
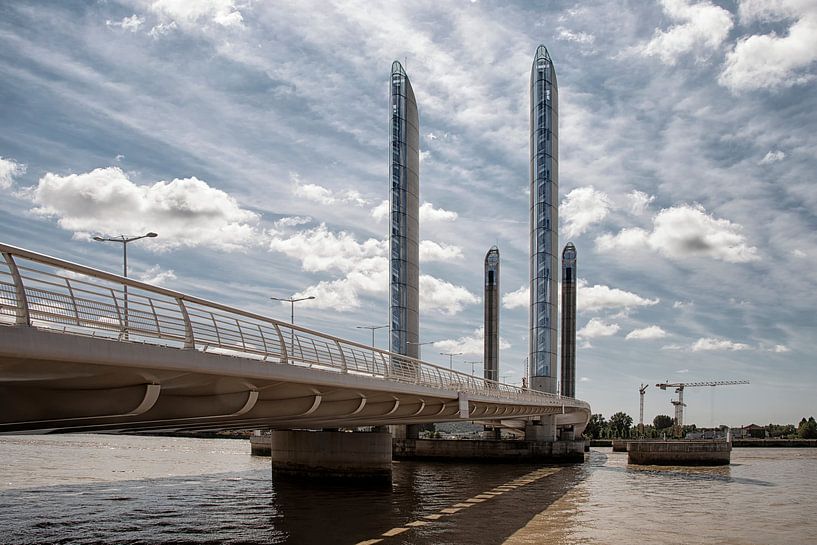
(443, 297)
(132, 23)
(772, 157)
(185, 212)
(646, 333)
(639, 201)
(798, 253)
(429, 213)
(581, 208)
(433, 251)
(584, 379)
(597, 328)
(292, 221)
(599, 297)
(701, 28)
(323, 195)
(568, 35)
(161, 29)
(780, 348)
(9, 169)
(682, 304)
(201, 12)
(517, 299)
(156, 276)
(685, 231)
(714, 343)
(767, 61)
(469, 344)
(364, 266)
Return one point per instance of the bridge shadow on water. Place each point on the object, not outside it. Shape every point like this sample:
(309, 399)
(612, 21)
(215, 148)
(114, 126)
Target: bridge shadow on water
(335, 513)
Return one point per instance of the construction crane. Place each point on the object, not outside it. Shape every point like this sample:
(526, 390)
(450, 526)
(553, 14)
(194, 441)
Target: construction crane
(641, 407)
(679, 389)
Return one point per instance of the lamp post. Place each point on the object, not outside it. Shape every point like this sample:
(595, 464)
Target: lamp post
(418, 345)
(124, 239)
(373, 328)
(451, 358)
(472, 364)
(292, 302)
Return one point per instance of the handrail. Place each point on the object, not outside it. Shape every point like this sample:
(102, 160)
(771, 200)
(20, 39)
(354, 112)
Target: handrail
(92, 303)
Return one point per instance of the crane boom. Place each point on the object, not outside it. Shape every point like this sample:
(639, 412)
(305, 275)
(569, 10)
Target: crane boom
(679, 389)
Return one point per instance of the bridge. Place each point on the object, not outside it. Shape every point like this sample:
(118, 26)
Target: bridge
(86, 350)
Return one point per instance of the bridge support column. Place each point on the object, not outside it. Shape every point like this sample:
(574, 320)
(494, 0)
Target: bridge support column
(407, 431)
(541, 430)
(332, 454)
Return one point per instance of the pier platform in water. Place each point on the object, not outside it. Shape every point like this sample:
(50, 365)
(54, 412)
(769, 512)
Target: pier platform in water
(679, 452)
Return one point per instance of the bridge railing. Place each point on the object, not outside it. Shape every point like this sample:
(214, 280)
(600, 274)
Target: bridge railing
(46, 292)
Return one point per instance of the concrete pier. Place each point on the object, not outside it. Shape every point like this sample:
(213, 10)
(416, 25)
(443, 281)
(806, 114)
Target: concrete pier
(679, 453)
(260, 445)
(468, 450)
(332, 454)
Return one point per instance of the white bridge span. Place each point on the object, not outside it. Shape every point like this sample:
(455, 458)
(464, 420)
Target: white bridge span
(82, 349)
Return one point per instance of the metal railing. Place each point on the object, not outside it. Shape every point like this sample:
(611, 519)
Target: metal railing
(50, 293)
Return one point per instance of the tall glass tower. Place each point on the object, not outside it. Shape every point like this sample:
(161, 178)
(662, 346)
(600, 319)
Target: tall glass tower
(404, 234)
(544, 195)
(490, 355)
(569, 320)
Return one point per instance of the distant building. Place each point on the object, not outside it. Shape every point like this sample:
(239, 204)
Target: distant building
(404, 225)
(490, 355)
(544, 241)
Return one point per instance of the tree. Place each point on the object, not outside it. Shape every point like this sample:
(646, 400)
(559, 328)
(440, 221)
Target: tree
(662, 422)
(807, 428)
(620, 423)
(595, 427)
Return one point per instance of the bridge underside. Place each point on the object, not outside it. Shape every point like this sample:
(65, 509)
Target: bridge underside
(53, 381)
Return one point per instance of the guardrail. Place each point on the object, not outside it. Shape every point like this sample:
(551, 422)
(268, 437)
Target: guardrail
(46, 292)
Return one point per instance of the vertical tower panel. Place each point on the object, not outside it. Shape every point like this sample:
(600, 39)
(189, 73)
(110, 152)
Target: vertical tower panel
(490, 356)
(569, 320)
(404, 234)
(544, 195)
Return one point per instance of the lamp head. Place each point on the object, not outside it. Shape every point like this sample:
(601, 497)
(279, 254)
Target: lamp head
(151, 235)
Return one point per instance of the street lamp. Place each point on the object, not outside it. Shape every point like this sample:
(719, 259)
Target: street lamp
(373, 328)
(472, 365)
(451, 357)
(123, 239)
(292, 302)
(418, 345)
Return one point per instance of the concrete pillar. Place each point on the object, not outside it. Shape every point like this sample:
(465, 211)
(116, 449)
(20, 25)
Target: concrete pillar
(541, 430)
(332, 454)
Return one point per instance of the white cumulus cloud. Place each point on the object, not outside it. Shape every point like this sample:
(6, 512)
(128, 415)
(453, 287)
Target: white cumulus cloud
(434, 251)
(132, 23)
(443, 297)
(646, 333)
(156, 276)
(772, 157)
(429, 213)
(198, 13)
(597, 328)
(468, 344)
(684, 231)
(764, 61)
(319, 194)
(599, 297)
(701, 28)
(639, 201)
(185, 212)
(517, 299)
(581, 208)
(9, 169)
(715, 343)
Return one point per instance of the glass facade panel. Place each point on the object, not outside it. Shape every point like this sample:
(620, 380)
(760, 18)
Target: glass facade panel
(404, 204)
(543, 215)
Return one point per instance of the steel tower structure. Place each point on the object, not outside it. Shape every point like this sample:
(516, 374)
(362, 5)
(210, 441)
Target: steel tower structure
(569, 320)
(490, 356)
(404, 226)
(544, 241)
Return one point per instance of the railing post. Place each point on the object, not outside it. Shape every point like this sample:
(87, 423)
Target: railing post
(281, 342)
(189, 340)
(73, 300)
(342, 357)
(22, 315)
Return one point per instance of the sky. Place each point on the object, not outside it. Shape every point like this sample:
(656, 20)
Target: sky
(253, 138)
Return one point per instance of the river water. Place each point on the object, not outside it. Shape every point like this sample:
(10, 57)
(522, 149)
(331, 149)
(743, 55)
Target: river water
(122, 489)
